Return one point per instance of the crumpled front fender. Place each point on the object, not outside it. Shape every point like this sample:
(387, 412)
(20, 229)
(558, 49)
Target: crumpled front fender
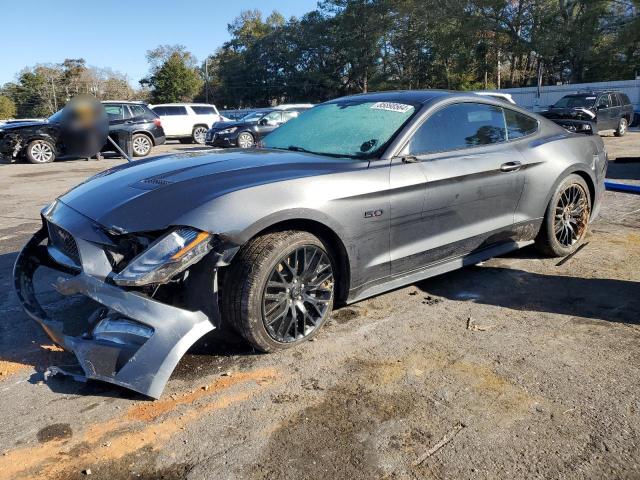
(145, 367)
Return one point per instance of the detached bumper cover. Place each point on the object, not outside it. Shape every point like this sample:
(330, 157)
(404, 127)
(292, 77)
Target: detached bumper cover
(144, 367)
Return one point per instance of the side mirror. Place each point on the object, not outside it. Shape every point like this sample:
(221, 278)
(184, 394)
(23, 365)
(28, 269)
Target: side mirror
(263, 121)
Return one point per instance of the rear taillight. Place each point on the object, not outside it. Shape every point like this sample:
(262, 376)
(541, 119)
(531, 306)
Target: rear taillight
(157, 122)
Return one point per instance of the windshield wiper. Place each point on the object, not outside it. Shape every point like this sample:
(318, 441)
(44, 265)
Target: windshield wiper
(295, 148)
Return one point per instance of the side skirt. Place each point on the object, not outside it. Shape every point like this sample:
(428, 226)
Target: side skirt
(439, 268)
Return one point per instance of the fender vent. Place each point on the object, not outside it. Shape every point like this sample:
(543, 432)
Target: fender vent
(64, 242)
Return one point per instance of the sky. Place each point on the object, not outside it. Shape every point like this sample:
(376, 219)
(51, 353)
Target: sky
(118, 33)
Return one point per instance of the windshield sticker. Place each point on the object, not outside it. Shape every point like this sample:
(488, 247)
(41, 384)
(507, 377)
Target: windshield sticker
(392, 107)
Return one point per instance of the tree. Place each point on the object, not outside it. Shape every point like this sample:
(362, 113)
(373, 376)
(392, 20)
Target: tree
(7, 108)
(174, 75)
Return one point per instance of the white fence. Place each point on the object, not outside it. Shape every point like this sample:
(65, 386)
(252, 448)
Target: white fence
(528, 96)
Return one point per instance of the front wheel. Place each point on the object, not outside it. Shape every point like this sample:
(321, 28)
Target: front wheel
(622, 127)
(246, 140)
(567, 218)
(40, 151)
(279, 289)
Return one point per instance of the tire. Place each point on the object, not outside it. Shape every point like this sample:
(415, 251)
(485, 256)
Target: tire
(141, 145)
(566, 220)
(246, 140)
(623, 125)
(254, 300)
(199, 134)
(40, 151)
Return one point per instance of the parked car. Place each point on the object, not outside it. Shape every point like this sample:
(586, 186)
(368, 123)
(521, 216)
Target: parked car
(249, 130)
(43, 141)
(607, 110)
(187, 122)
(140, 120)
(357, 196)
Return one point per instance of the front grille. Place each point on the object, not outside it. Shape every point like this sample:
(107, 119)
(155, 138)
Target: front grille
(64, 242)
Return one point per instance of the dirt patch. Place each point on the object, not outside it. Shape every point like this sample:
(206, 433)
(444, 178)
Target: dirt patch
(142, 466)
(340, 436)
(57, 431)
(121, 436)
(345, 315)
(149, 411)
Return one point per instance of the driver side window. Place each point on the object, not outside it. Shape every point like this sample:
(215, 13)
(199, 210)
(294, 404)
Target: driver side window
(273, 118)
(462, 125)
(603, 101)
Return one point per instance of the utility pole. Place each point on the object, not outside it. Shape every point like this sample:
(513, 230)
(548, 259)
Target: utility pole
(206, 80)
(55, 100)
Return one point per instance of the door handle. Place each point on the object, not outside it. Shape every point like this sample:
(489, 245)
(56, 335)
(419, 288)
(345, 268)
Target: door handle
(510, 167)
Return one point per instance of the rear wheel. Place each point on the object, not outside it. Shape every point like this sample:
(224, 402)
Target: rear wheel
(623, 124)
(141, 145)
(40, 151)
(246, 140)
(199, 134)
(279, 289)
(567, 218)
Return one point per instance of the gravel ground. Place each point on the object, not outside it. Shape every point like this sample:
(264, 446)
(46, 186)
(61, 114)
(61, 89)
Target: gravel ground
(522, 367)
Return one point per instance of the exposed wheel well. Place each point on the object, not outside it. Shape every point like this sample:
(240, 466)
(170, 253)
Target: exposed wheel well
(589, 182)
(338, 249)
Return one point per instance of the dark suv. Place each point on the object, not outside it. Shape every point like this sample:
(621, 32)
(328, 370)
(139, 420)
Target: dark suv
(608, 110)
(43, 141)
(143, 122)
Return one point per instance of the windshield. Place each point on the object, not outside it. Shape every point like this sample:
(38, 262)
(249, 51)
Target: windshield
(575, 102)
(253, 117)
(356, 129)
(56, 117)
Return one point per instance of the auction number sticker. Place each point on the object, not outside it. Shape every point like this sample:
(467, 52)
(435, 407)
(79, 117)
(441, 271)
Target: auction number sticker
(392, 107)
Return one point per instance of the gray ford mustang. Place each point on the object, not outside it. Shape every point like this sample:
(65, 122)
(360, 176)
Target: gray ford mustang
(355, 197)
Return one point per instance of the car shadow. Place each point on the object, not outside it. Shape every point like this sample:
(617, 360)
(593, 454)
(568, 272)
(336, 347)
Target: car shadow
(594, 298)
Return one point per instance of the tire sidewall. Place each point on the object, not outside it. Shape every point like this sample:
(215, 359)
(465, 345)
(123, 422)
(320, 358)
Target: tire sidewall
(555, 245)
(622, 127)
(30, 157)
(252, 301)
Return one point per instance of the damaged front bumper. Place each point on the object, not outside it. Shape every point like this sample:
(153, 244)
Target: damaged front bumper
(131, 339)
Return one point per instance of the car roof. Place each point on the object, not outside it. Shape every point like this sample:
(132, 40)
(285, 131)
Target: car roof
(185, 104)
(411, 96)
(132, 102)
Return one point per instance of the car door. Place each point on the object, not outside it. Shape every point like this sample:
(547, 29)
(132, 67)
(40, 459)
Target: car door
(455, 187)
(616, 109)
(605, 114)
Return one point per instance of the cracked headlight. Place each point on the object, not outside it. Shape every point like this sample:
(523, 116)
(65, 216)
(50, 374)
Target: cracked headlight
(227, 131)
(169, 255)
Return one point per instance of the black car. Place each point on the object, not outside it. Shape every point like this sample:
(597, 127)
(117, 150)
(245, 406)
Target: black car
(607, 110)
(250, 129)
(43, 141)
(144, 124)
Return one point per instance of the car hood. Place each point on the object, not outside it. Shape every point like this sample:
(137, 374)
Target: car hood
(18, 125)
(154, 194)
(569, 114)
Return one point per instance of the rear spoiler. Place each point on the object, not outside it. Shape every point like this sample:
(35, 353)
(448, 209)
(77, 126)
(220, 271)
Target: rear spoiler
(577, 126)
